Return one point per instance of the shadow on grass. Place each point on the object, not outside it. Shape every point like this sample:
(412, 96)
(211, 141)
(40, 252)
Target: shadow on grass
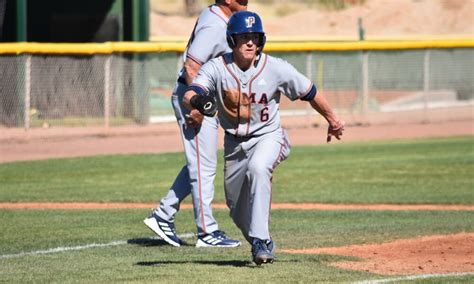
(235, 263)
(151, 242)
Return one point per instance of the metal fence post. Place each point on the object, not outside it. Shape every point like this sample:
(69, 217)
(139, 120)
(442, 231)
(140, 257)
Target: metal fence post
(426, 81)
(309, 74)
(107, 91)
(27, 100)
(309, 65)
(365, 82)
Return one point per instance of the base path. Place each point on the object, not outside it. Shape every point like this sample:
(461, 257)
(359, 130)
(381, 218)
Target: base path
(57, 142)
(275, 206)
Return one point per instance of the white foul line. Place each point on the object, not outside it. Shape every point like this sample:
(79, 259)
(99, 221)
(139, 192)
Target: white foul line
(63, 249)
(414, 277)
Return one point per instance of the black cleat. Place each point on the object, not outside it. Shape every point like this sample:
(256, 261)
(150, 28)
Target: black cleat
(262, 251)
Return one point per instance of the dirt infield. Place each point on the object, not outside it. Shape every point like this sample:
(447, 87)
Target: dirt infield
(58, 142)
(425, 255)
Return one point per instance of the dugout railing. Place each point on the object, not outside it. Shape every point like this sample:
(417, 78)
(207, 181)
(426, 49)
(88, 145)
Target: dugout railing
(119, 83)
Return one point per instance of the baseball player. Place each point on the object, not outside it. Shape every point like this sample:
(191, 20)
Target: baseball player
(244, 88)
(199, 136)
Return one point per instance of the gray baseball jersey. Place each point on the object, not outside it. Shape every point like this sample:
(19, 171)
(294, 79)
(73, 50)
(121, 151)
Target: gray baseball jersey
(262, 86)
(208, 40)
(254, 142)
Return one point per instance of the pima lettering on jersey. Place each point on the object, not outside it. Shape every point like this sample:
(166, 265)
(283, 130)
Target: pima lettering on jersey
(250, 21)
(263, 99)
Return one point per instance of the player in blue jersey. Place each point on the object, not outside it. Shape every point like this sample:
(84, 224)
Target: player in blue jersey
(199, 136)
(244, 88)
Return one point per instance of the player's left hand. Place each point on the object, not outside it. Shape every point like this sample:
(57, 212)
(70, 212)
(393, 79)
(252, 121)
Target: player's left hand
(335, 130)
(194, 118)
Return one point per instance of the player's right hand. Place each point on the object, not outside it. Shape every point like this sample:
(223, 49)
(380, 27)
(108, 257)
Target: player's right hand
(204, 104)
(335, 130)
(194, 119)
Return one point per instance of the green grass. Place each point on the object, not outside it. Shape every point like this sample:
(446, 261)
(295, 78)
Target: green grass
(145, 259)
(434, 171)
(412, 171)
(437, 171)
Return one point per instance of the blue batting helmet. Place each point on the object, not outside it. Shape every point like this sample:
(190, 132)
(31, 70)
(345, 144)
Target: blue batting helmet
(244, 22)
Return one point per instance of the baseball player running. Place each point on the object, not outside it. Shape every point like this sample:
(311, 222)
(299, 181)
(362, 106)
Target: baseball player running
(199, 136)
(245, 87)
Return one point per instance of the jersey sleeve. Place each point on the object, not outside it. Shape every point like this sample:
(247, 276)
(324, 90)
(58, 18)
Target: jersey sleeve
(207, 44)
(207, 77)
(293, 84)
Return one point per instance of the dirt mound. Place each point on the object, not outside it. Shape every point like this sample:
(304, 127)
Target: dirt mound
(425, 255)
(381, 19)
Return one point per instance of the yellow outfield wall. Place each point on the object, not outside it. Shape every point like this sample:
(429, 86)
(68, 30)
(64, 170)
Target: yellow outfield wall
(271, 46)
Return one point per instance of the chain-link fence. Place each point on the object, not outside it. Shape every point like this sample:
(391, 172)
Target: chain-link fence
(38, 90)
(364, 82)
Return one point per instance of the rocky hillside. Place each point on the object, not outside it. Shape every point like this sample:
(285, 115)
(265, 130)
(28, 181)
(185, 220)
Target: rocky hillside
(381, 19)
